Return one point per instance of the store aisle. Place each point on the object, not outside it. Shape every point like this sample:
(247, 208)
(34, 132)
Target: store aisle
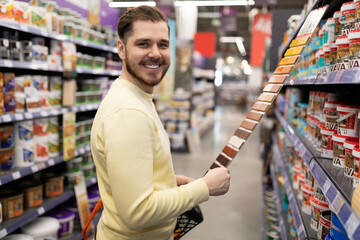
(237, 214)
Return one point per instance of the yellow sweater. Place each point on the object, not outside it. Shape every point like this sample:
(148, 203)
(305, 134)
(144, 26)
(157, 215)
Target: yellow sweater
(136, 179)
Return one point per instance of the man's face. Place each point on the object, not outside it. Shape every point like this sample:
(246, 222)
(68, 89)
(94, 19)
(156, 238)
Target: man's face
(146, 55)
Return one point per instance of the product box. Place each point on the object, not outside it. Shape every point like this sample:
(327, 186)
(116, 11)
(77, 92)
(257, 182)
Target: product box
(1, 82)
(69, 90)
(21, 12)
(7, 9)
(2, 110)
(9, 82)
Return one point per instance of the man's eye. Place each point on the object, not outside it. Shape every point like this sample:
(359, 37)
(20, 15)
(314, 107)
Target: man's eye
(143, 44)
(163, 45)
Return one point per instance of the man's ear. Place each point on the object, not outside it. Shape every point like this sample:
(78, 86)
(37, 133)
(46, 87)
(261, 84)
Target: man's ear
(121, 49)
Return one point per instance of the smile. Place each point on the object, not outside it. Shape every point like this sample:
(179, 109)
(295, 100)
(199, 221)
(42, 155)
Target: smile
(152, 66)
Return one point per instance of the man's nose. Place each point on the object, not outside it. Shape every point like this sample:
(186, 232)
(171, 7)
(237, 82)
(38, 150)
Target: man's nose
(154, 52)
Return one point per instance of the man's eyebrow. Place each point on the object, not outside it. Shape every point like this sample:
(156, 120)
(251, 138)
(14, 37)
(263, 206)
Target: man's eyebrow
(149, 40)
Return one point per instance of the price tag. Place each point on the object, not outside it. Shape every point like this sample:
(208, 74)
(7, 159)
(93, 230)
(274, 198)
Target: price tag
(16, 175)
(28, 115)
(85, 43)
(8, 63)
(44, 114)
(114, 73)
(51, 162)
(326, 186)
(24, 28)
(34, 169)
(54, 112)
(312, 165)
(81, 150)
(44, 32)
(41, 166)
(6, 118)
(41, 210)
(19, 116)
(299, 230)
(338, 76)
(3, 232)
(87, 148)
(83, 108)
(79, 70)
(98, 71)
(351, 225)
(337, 203)
(93, 180)
(89, 107)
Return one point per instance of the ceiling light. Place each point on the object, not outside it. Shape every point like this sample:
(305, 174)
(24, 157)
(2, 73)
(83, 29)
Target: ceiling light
(132, 4)
(214, 3)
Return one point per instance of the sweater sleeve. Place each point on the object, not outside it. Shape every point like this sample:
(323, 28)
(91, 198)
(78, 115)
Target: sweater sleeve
(130, 147)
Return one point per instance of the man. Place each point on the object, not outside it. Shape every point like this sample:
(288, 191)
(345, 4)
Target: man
(142, 196)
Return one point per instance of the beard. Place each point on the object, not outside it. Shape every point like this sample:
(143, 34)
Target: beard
(136, 73)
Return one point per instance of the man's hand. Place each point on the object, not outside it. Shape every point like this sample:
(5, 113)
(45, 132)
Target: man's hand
(218, 181)
(182, 180)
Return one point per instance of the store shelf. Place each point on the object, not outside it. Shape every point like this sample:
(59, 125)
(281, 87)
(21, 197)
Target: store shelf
(18, 173)
(292, 195)
(328, 180)
(262, 212)
(30, 214)
(283, 232)
(61, 37)
(6, 118)
(348, 76)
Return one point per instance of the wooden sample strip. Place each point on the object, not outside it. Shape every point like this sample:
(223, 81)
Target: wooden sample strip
(259, 106)
(230, 151)
(250, 125)
(266, 97)
(299, 42)
(215, 165)
(241, 133)
(283, 70)
(278, 79)
(288, 61)
(223, 160)
(236, 142)
(256, 116)
(293, 51)
(272, 88)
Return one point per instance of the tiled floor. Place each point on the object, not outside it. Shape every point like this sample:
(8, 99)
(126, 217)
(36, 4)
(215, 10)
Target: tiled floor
(236, 215)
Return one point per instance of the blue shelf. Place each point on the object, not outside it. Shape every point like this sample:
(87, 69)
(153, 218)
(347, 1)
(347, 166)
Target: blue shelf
(14, 117)
(49, 203)
(61, 37)
(300, 228)
(18, 173)
(283, 232)
(338, 199)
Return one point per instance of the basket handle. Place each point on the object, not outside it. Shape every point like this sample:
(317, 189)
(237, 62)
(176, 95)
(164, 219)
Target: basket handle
(97, 207)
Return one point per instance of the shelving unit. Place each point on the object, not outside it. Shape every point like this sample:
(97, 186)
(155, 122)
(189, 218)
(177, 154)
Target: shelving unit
(330, 185)
(30, 214)
(262, 213)
(283, 230)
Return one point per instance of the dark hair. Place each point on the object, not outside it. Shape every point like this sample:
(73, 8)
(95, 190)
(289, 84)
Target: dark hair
(144, 13)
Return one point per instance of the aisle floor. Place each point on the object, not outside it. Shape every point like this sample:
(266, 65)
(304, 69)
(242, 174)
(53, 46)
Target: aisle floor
(236, 215)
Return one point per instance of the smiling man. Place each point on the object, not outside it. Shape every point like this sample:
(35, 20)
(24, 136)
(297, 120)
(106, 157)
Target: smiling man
(141, 195)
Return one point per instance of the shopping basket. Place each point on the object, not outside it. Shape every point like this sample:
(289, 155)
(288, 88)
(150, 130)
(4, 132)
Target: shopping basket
(185, 222)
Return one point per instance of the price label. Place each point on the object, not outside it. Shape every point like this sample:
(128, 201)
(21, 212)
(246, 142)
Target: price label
(44, 114)
(338, 76)
(299, 230)
(79, 70)
(82, 108)
(89, 107)
(51, 162)
(34, 169)
(81, 150)
(8, 63)
(24, 28)
(3, 232)
(54, 112)
(87, 148)
(98, 71)
(93, 180)
(326, 186)
(41, 210)
(28, 115)
(312, 165)
(44, 32)
(85, 43)
(337, 203)
(19, 116)
(16, 175)
(351, 225)
(6, 118)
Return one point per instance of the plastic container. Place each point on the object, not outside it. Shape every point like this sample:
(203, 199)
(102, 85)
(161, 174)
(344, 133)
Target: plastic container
(33, 193)
(94, 198)
(327, 142)
(318, 204)
(18, 237)
(7, 159)
(354, 47)
(348, 121)
(342, 56)
(41, 148)
(74, 164)
(73, 178)
(338, 151)
(24, 131)
(324, 225)
(307, 193)
(53, 185)
(356, 178)
(349, 158)
(301, 179)
(66, 220)
(12, 204)
(42, 228)
(331, 115)
(25, 153)
(337, 230)
(88, 170)
(347, 17)
(7, 137)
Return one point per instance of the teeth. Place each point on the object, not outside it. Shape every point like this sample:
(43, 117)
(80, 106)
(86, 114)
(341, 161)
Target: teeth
(152, 66)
